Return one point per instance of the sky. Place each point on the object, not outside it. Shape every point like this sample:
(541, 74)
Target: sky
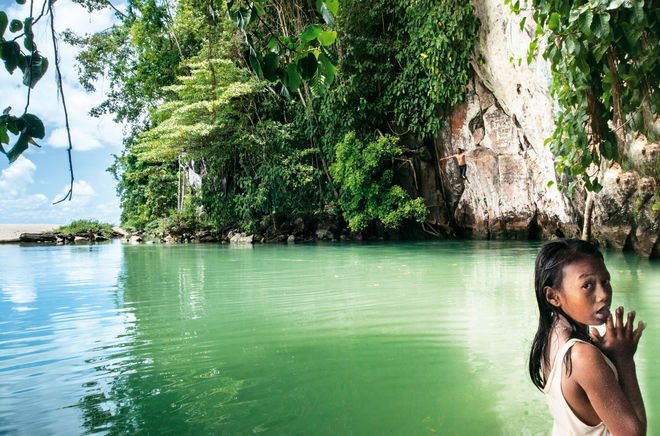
(40, 177)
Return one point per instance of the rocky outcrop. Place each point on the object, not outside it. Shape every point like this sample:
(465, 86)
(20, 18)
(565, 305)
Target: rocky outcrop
(57, 238)
(502, 125)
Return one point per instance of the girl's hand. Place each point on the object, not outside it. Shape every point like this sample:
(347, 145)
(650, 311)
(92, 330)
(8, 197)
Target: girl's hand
(620, 341)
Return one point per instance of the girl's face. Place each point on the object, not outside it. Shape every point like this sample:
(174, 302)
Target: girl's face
(585, 293)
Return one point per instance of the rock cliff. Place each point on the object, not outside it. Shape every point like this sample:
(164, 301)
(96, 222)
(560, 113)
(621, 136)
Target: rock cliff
(506, 116)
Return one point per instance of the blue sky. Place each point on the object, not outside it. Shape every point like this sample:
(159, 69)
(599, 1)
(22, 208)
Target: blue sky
(30, 185)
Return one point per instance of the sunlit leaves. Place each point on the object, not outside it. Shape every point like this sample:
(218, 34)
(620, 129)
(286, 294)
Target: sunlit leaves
(280, 58)
(311, 32)
(33, 66)
(364, 172)
(604, 59)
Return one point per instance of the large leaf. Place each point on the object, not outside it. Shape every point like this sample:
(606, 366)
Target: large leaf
(3, 22)
(28, 41)
(331, 5)
(18, 148)
(327, 15)
(308, 66)
(310, 32)
(269, 65)
(33, 126)
(4, 137)
(327, 68)
(292, 77)
(36, 68)
(15, 26)
(553, 22)
(10, 54)
(327, 38)
(254, 63)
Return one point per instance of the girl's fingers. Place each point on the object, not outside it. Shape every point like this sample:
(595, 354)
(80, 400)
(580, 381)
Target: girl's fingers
(596, 338)
(619, 317)
(630, 321)
(609, 326)
(641, 325)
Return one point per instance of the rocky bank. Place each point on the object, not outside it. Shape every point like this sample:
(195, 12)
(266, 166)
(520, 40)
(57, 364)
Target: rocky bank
(506, 116)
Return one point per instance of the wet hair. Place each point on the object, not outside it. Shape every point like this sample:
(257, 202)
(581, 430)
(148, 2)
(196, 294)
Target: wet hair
(548, 271)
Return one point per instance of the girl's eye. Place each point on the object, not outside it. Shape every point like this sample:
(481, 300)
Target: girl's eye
(587, 285)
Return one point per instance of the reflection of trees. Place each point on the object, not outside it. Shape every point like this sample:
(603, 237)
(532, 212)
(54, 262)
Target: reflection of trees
(144, 381)
(354, 338)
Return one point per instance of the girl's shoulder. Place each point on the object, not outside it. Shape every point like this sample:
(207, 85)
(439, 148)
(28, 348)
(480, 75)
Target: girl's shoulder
(588, 359)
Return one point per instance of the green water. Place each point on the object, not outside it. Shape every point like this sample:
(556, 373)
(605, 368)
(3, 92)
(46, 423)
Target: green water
(328, 339)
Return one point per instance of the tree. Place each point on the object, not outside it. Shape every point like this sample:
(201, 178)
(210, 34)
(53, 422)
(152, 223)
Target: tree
(604, 57)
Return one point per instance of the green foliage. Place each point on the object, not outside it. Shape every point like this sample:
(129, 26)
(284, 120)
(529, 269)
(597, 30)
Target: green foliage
(434, 40)
(402, 65)
(148, 190)
(33, 66)
(278, 57)
(28, 126)
(87, 226)
(604, 56)
(140, 55)
(367, 189)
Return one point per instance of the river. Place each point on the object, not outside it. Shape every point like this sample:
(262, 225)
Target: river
(406, 338)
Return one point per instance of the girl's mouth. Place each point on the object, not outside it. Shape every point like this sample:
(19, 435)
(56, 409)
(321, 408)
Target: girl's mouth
(603, 313)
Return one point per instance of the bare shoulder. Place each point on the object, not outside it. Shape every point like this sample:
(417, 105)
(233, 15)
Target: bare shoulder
(590, 369)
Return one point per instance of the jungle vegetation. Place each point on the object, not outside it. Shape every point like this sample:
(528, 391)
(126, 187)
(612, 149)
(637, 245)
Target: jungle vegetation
(294, 110)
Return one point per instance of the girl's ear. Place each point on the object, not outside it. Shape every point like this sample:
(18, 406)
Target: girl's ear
(552, 295)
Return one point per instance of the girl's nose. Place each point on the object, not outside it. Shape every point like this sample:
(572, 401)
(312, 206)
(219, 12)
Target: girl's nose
(604, 292)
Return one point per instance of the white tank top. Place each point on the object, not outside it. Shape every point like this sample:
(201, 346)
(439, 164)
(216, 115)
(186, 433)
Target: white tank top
(566, 423)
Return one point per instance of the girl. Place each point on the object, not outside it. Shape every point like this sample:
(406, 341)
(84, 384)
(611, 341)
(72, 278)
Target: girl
(589, 381)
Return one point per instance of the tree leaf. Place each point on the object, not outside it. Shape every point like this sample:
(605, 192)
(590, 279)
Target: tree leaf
(327, 68)
(310, 32)
(333, 6)
(33, 126)
(15, 26)
(308, 66)
(554, 21)
(10, 54)
(254, 63)
(36, 67)
(3, 23)
(327, 38)
(292, 77)
(585, 22)
(4, 137)
(19, 147)
(327, 15)
(269, 65)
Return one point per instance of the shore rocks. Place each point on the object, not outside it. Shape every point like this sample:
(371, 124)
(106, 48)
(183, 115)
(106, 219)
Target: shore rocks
(58, 238)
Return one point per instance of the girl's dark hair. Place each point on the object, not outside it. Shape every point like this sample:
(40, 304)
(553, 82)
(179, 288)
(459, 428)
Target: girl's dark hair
(550, 262)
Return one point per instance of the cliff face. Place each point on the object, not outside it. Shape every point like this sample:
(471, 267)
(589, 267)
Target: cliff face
(502, 125)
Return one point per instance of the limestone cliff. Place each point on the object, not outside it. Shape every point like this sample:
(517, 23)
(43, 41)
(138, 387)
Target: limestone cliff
(506, 116)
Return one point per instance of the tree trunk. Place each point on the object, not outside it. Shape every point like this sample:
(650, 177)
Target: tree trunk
(588, 209)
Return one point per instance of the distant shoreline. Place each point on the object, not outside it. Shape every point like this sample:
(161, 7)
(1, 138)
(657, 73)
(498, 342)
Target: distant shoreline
(11, 232)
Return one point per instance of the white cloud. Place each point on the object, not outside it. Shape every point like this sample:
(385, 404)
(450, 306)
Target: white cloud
(15, 178)
(45, 100)
(82, 192)
(79, 139)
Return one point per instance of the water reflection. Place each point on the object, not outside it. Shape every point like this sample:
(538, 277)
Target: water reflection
(408, 338)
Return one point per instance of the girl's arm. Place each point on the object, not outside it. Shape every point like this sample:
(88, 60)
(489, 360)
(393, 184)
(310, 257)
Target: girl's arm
(618, 403)
(619, 344)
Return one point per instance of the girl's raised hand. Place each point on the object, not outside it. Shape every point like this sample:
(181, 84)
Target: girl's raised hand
(620, 341)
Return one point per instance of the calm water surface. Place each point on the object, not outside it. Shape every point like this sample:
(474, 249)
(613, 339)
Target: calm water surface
(362, 339)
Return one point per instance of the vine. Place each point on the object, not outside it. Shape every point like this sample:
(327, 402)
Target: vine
(604, 57)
